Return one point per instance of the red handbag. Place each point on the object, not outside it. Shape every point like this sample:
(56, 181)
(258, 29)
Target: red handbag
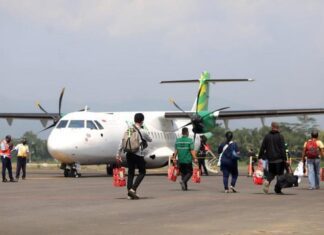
(173, 172)
(196, 175)
(119, 177)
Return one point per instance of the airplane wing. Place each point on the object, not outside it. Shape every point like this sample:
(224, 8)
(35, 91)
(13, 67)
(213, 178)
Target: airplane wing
(43, 117)
(248, 114)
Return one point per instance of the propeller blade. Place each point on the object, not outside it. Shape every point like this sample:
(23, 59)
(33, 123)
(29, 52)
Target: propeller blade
(175, 104)
(214, 112)
(48, 127)
(60, 101)
(198, 95)
(40, 107)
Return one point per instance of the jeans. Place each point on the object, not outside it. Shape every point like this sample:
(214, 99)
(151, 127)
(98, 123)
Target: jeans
(6, 165)
(227, 171)
(186, 172)
(21, 165)
(313, 166)
(134, 161)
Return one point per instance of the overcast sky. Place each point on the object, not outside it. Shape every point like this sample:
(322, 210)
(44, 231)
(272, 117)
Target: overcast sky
(111, 55)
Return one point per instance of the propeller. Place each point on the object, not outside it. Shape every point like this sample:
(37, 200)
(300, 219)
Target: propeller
(56, 118)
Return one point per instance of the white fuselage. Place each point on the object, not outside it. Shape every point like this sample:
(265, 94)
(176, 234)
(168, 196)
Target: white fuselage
(90, 138)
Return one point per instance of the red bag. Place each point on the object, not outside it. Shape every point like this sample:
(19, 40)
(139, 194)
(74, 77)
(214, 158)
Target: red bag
(322, 174)
(119, 177)
(196, 175)
(258, 174)
(173, 172)
(312, 150)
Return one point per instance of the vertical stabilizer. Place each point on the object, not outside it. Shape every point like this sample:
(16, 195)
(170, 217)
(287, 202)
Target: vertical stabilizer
(203, 93)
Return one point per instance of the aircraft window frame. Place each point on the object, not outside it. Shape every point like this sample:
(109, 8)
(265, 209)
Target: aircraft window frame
(100, 127)
(93, 125)
(62, 124)
(77, 124)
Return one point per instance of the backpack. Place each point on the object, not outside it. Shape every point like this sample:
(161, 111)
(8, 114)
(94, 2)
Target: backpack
(312, 150)
(132, 140)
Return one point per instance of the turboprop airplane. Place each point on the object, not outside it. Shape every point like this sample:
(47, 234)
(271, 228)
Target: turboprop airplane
(92, 138)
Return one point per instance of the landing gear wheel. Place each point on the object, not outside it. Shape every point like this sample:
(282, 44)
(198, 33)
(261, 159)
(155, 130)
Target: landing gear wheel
(66, 172)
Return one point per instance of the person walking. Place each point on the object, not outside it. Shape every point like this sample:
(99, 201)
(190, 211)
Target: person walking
(313, 151)
(273, 150)
(5, 151)
(202, 154)
(22, 155)
(229, 154)
(136, 158)
(184, 150)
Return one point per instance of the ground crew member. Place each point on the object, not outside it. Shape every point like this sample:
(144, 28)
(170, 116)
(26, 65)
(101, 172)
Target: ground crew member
(184, 149)
(22, 155)
(5, 151)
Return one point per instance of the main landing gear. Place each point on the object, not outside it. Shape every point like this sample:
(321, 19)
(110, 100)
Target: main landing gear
(71, 170)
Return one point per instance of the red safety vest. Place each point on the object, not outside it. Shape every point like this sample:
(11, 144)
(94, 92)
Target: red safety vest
(6, 151)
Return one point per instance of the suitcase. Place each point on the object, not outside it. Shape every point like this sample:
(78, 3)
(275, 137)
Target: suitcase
(173, 172)
(196, 175)
(119, 177)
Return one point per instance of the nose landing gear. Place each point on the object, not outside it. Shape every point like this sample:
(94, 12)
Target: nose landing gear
(71, 170)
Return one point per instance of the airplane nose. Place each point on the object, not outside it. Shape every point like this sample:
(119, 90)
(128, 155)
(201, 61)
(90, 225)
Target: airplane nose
(59, 148)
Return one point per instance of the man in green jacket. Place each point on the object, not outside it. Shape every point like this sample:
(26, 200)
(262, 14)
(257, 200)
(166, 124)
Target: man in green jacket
(184, 149)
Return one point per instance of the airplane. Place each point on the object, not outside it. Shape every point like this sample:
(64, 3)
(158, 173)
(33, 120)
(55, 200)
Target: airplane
(92, 138)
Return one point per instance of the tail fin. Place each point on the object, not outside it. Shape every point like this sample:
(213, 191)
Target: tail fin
(201, 102)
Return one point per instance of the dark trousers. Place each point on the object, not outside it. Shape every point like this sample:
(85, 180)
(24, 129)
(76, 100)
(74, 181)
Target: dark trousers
(186, 172)
(6, 165)
(134, 161)
(227, 171)
(275, 169)
(21, 165)
(201, 164)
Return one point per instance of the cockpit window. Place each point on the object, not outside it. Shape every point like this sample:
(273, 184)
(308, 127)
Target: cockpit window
(76, 124)
(62, 124)
(91, 125)
(99, 125)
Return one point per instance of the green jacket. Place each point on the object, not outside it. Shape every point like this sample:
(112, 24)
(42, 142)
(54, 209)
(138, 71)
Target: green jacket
(184, 145)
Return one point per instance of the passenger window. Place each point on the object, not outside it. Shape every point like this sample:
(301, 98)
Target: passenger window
(99, 125)
(76, 124)
(91, 125)
(62, 124)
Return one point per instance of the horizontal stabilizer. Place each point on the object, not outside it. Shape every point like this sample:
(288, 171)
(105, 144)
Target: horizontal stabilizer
(210, 80)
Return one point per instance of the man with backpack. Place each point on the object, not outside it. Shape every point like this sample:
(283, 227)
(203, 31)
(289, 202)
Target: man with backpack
(133, 143)
(313, 150)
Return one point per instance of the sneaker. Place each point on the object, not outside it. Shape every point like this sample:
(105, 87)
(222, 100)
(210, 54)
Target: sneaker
(266, 186)
(226, 191)
(129, 198)
(311, 188)
(183, 186)
(132, 194)
(4, 180)
(13, 180)
(233, 189)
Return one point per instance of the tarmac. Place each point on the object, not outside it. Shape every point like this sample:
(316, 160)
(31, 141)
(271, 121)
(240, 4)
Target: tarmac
(48, 203)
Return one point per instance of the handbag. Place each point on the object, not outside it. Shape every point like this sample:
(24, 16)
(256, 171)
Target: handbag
(258, 174)
(288, 179)
(119, 177)
(196, 175)
(173, 172)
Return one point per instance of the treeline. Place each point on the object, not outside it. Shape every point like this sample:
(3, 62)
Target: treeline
(295, 135)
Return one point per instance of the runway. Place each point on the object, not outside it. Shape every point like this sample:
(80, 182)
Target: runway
(48, 203)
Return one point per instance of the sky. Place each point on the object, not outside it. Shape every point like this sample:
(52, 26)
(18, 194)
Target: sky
(112, 55)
